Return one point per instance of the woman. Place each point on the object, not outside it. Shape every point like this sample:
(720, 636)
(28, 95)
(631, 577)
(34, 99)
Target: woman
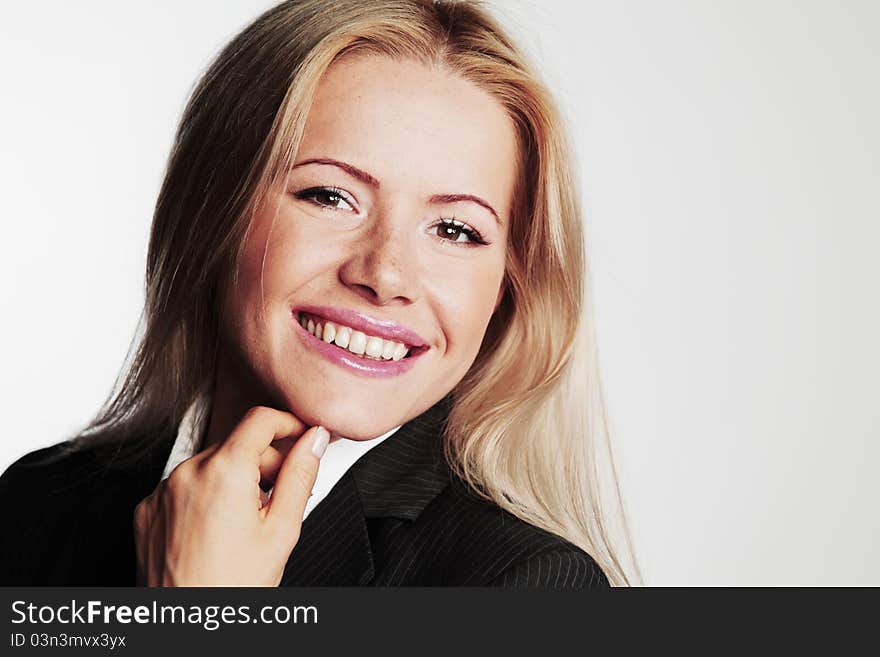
(368, 228)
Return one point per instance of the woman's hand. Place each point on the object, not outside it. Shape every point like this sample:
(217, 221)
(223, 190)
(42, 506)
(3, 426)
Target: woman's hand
(210, 524)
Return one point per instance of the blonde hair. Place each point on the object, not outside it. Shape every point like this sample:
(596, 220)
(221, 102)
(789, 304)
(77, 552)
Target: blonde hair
(527, 429)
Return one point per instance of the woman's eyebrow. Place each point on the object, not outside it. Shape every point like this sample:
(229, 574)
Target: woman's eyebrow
(455, 198)
(351, 170)
(366, 178)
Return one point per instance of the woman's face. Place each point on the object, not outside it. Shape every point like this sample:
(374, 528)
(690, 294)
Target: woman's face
(392, 227)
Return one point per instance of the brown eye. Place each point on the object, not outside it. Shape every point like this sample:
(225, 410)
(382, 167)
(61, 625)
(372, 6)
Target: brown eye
(452, 230)
(330, 198)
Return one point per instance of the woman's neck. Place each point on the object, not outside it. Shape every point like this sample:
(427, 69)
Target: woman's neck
(229, 403)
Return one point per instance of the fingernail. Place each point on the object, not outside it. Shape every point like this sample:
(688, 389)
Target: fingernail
(319, 441)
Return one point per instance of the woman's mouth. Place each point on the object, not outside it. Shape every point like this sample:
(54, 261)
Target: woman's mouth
(353, 349)
(356, 342)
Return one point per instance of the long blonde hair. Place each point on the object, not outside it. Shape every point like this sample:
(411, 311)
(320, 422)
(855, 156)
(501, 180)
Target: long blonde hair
(527, 428)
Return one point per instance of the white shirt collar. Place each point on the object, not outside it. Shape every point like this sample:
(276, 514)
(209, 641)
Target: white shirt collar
(341, 454)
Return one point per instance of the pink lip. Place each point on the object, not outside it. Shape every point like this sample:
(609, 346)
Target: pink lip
(380, 328)
(344, 358)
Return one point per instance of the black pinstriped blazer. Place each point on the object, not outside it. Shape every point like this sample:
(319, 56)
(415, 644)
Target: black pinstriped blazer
(398, 517)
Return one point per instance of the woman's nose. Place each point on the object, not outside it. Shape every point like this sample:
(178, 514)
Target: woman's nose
(381, 266)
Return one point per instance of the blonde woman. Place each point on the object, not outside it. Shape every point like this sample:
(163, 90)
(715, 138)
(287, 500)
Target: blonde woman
(367, 355)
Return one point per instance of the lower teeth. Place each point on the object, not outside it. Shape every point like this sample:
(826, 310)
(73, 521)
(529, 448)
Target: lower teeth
(378, 358)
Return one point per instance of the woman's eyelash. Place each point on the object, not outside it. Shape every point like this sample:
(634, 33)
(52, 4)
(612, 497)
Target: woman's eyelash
(312, 194)
(472, 234)
(335, 195)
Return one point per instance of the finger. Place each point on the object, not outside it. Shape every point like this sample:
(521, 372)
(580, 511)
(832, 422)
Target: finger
(141, 535)
(272, 458)
(150, 545)
(270, 463)
(155, 535)
(259, 427)
(295, 481)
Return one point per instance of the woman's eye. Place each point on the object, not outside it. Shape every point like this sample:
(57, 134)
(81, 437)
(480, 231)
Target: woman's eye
(330, 198)
(453, 231)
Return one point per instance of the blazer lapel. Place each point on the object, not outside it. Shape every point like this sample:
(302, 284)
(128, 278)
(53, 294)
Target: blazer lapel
(397, 479)
(401, 476)
(334, 547)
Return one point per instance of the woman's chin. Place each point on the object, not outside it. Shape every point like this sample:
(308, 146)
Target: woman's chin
(356, 421)
(359, 430)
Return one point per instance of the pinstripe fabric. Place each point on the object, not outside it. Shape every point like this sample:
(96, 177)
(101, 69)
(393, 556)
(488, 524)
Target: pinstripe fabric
(398, 517)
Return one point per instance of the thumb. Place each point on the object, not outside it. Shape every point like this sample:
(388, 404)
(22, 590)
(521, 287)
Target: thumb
(295, 480)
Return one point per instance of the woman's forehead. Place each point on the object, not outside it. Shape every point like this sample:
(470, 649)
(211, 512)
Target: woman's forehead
(412, 126)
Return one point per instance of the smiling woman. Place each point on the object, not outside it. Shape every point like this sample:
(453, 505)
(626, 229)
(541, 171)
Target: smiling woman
(363, 225)
(368, 355)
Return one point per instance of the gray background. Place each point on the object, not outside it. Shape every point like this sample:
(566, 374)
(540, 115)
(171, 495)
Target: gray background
(728, 154)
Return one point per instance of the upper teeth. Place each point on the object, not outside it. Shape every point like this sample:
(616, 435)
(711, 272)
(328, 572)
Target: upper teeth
(356, 342)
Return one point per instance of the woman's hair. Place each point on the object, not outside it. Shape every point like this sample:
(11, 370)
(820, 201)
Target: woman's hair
(527, 429)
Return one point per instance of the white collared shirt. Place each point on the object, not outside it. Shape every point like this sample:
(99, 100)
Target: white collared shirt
(341, 454)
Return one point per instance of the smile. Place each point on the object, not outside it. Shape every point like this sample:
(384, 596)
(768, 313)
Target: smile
(357, 342)
(364, 352)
